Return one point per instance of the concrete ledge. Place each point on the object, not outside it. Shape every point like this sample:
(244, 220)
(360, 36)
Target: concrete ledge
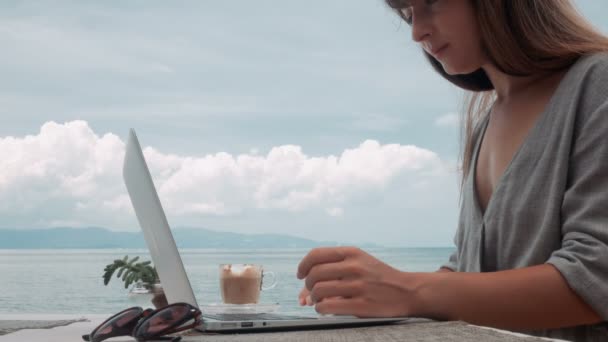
(61, 328)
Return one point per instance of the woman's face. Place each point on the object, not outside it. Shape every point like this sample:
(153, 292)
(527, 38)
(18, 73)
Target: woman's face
(448, 31)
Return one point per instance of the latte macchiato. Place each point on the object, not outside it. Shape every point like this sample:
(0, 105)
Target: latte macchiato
(241, 283)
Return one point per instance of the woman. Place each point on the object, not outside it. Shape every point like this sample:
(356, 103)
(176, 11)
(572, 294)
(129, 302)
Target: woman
(532, 239)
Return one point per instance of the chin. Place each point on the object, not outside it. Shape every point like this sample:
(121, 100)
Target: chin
(454, 69)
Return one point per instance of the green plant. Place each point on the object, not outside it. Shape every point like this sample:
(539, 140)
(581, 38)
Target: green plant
(130, 271)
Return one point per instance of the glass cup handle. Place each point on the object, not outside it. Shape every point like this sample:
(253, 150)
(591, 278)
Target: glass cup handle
(274, 280)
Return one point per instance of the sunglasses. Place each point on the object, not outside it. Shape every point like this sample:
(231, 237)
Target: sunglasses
(148, 324)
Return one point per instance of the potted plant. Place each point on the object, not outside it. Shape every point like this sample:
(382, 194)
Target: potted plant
(142, 273)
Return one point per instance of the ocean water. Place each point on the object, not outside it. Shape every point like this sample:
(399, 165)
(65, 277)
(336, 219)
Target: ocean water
(70, 281)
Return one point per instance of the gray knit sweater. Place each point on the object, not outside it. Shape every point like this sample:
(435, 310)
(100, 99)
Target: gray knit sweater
(551, 203)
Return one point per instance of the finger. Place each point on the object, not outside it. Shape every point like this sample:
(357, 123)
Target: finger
(321, 255)
(303, 295)
(336, 288)
(342, 306)
(317, 256)
(327, 272)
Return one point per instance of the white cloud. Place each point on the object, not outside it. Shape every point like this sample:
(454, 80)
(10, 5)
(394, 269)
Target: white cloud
(284, 179)
(68, 173)
(449, 120)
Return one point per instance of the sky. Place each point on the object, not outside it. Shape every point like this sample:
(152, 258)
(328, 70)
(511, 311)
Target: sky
(319, 119)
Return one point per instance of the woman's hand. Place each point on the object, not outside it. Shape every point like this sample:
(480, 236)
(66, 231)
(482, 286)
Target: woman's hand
(348, 281)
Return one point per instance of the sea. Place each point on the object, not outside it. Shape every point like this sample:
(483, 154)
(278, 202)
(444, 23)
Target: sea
(70, 281)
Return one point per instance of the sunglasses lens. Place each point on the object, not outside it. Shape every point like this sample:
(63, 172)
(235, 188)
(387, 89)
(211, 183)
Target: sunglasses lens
(127, 319)
(165, 319)
(120, 325)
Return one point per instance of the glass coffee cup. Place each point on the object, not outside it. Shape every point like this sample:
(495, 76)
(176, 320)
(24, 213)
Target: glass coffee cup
(242, 283)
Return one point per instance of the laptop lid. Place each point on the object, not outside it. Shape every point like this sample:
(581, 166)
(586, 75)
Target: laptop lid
(154, 225)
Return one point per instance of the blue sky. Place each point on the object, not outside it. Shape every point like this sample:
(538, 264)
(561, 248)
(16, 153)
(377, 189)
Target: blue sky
(317, 119)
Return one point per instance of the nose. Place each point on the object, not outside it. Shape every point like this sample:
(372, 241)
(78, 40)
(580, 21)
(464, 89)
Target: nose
(422, 27)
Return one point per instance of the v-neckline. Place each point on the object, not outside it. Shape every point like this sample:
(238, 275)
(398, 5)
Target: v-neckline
(481, 214)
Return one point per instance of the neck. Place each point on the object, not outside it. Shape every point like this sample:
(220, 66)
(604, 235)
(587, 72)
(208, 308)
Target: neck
(508, 87)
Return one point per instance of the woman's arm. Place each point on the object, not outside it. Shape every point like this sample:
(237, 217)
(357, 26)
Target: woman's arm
(348, 281)
(535, 297)
(305, 299)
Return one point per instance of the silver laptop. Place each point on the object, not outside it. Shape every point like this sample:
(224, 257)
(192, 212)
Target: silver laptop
(170, 268)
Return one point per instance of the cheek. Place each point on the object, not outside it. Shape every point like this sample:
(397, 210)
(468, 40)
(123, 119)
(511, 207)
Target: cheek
(467, 54)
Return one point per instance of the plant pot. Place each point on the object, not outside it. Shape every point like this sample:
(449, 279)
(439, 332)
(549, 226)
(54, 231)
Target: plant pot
(159, 300)
(143, 293)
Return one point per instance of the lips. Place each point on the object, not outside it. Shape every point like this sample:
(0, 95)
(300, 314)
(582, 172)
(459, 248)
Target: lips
(436, 52)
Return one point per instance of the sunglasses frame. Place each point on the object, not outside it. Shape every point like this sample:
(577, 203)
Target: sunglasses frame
(142, 317)
(140, 313)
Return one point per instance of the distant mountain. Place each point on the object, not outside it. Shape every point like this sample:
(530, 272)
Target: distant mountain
(94, 237)
(68, 238)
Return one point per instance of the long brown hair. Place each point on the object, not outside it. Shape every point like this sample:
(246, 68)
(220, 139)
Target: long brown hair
(521, 38)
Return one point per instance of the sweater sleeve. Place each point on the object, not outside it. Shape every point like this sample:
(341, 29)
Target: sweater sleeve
(452, 262)
(583, 257)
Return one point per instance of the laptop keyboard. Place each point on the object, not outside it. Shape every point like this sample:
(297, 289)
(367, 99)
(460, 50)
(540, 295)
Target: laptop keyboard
(253, 317)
